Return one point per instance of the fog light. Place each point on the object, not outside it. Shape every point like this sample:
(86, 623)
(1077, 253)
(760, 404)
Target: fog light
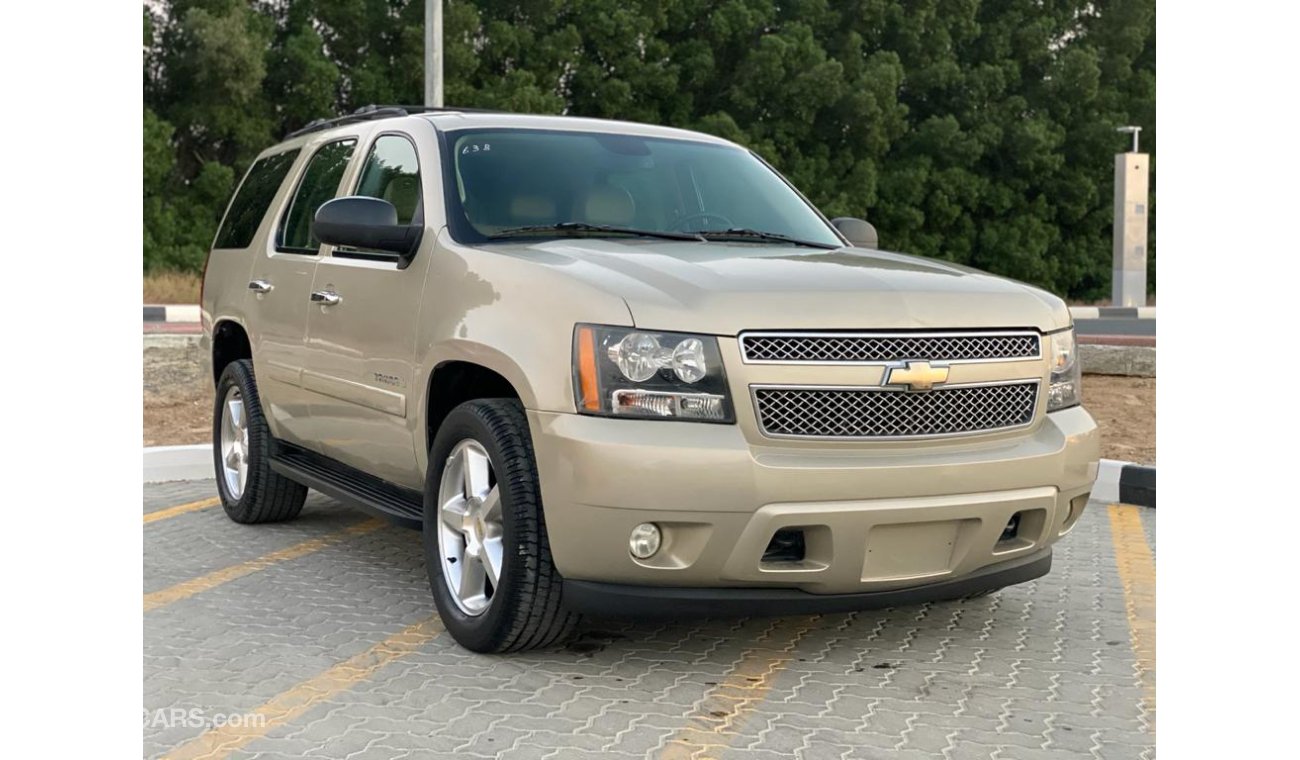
(644, 541)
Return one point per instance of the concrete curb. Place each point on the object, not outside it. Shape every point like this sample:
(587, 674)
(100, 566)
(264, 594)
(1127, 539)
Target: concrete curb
(1113, 312)
(172, 313)
(1126, 483)
(163, 463)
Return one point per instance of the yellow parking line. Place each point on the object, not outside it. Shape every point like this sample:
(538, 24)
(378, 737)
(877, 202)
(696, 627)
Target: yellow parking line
(1137, 574)
(218, 743)
(180, 509)
(715, 723)
(189, 588)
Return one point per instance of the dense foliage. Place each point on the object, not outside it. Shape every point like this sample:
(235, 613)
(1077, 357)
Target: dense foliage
(979, 131)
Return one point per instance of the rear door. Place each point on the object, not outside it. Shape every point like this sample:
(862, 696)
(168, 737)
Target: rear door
(361, 346)
(280, 287)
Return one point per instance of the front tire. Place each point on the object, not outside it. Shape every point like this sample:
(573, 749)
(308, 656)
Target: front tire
(241, 446)
(485, 544)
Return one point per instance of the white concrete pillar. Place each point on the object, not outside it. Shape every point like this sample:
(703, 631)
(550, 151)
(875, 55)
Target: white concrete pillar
(1129, 284)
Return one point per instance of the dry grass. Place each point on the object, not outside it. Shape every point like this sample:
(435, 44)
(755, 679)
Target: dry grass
(171, 287)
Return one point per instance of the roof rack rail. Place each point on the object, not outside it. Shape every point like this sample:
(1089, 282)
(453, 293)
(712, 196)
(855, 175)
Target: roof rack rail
(372, 112)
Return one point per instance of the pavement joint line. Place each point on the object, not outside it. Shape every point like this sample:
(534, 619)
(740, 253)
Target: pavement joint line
(1137, 575)
(724, 709)
(180, 509)
(186, 589)
(218, 743)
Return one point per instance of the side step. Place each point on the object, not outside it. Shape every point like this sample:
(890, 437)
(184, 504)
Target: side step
(348, 484)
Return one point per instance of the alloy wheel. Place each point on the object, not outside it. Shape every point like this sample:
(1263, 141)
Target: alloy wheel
(470, 530)
(234, 443)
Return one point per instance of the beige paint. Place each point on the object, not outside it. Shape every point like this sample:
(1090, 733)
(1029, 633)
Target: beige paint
(879, 514)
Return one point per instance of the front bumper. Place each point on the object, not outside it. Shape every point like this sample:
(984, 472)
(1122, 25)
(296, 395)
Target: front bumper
(876, 519)
(622, 600)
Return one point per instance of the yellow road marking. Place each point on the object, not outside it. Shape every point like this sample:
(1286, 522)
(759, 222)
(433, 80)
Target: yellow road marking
(722, 713)
(210, 581)
(1137, 574)
(218, 743)
(180, 509)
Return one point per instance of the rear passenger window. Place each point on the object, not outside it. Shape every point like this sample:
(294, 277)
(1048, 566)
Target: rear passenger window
(393, 173)
(319, 183)
(254, 195)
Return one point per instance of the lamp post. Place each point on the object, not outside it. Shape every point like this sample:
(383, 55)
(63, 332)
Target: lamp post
(433, 53)
(1129, 280)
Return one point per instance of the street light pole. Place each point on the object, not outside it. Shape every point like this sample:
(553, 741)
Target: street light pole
(433, 53)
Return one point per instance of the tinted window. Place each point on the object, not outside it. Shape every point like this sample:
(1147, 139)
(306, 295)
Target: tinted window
(519, 178)
(319, 183)
(392, 172)
(255, 193)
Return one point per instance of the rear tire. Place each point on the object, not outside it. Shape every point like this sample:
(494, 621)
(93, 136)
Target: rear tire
(241, 446)
(488, 523)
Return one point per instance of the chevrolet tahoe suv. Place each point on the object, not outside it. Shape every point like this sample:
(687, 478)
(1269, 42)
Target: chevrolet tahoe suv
(618, 369)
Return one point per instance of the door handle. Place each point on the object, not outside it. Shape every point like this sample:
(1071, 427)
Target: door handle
(260, 286)
(326, 298)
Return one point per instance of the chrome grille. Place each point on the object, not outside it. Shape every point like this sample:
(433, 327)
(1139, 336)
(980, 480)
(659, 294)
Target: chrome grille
(866, 348)
(885, 413)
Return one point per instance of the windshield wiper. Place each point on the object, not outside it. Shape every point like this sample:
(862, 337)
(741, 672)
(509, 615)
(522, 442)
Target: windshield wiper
(745, 233)
(603, 229)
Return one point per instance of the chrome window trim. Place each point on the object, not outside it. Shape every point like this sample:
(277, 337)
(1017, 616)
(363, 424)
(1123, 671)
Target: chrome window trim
(762, 429)
(744, 354)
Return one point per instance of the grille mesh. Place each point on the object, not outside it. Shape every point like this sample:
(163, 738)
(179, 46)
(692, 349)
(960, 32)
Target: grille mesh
(887, 348)
(880, 413)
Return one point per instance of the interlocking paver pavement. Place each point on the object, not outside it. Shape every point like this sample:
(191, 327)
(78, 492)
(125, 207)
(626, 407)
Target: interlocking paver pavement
(1041, 670)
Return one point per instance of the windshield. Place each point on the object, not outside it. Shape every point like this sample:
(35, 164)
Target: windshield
(514, 183)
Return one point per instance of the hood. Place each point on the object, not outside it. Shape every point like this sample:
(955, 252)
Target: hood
(726, 288)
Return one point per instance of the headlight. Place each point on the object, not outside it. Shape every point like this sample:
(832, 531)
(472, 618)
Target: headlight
(644, 373)
(1066, 384)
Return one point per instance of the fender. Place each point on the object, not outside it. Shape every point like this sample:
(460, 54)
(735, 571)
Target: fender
(476, 309)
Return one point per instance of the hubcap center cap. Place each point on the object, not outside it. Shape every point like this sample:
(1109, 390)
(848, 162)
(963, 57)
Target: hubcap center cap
(472, 526)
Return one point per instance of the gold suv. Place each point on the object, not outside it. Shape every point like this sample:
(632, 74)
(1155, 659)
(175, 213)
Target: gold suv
(612, 368)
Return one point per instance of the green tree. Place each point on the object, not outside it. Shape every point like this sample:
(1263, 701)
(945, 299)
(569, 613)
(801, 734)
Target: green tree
(978, 131)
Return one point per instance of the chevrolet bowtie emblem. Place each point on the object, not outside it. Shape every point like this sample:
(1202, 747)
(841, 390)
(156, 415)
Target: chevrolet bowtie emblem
(917, 376)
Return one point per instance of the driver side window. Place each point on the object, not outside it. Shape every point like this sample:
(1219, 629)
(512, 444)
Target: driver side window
(392, 173)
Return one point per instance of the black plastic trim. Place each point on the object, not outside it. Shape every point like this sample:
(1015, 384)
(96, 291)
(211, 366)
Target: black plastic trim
(622, 600)
(348, 484)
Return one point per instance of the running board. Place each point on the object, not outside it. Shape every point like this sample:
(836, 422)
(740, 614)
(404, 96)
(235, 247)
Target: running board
(348, 484)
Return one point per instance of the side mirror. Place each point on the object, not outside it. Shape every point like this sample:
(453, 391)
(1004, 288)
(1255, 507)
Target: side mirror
(860, 233)
(361, 222)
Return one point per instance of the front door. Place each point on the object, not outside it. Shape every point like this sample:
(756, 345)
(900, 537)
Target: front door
(278, 297)
(361, 332)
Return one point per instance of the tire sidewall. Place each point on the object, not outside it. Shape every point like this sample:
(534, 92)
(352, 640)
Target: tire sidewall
(238, 375)
(477, 632)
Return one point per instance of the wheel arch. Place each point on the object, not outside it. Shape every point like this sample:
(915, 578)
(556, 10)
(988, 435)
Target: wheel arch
(456, 379)
(229, 343)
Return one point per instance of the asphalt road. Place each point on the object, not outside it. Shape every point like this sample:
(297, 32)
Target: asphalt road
(318, 638)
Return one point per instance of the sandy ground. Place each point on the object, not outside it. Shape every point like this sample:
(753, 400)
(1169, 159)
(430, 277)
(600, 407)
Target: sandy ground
(177, 397)
(1125, 409)
(178, 406)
